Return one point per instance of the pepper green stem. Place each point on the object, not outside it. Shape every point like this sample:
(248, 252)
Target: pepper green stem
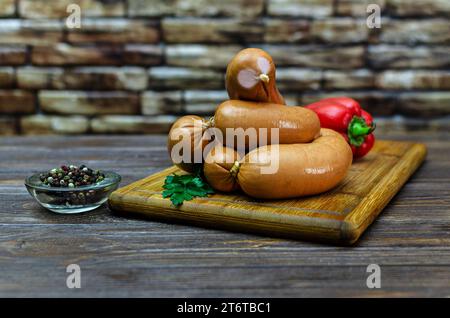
(357, 131)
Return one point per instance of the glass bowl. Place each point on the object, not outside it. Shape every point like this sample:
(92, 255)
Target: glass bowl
(72, 200)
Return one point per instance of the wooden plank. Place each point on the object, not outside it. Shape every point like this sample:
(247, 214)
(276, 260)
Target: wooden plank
(338, 216)
(182, 281)
(172, 261)
(133, 256)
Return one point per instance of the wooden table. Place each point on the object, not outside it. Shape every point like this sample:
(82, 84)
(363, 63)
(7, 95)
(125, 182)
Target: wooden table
(119, 256)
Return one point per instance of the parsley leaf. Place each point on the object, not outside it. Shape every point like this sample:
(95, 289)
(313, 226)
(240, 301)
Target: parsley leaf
(180, 188)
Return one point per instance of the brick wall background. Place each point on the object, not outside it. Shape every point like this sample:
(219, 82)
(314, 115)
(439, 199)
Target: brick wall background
(136, 65)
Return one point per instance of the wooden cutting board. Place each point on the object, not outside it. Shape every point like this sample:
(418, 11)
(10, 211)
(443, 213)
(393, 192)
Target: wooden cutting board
(339, 216)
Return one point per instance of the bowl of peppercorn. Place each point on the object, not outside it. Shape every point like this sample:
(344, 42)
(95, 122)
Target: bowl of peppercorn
(72, 189)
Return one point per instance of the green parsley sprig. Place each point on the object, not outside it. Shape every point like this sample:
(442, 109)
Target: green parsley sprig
(180, 188)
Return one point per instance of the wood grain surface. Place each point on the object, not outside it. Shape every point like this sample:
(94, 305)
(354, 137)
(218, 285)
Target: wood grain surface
(338, 216)
(122, 257)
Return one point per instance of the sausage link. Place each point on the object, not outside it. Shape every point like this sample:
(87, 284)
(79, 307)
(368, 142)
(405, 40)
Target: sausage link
(296, 124)
(251, 76)
(192, 128)
(303, 169)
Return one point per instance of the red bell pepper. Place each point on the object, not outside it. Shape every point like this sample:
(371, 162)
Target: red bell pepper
(346, 116)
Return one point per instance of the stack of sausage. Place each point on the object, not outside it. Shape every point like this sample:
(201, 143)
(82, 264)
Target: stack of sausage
(310, 159)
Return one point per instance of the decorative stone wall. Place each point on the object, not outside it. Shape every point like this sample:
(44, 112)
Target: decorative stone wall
(134, 66)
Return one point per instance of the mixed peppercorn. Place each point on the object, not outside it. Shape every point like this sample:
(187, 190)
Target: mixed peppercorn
(71, 176)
